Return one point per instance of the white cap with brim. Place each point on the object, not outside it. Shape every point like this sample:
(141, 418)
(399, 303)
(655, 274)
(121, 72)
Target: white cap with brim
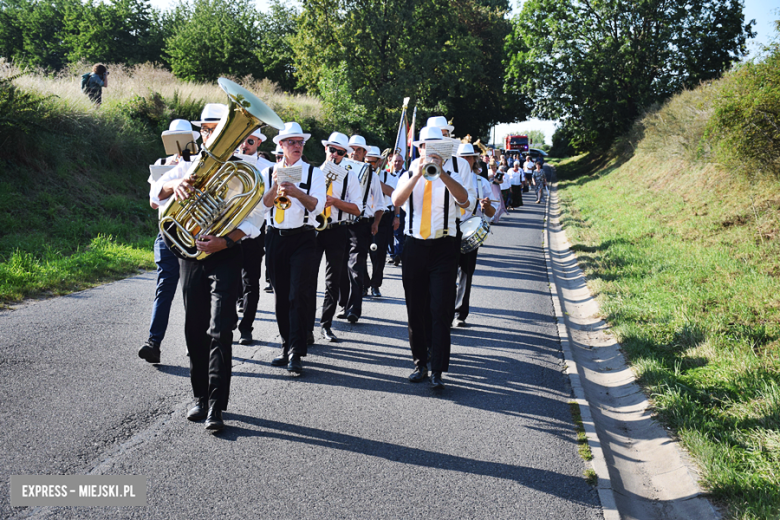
(278, 150)
(212, 113)
(358, 141)
(466, 150)
(441, 122)
(338, 139)
(290, 131)
(429, 133)
(373, 151)
(180, 125)
(257, 133)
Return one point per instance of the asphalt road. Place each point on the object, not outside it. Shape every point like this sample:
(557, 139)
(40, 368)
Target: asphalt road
(351, 438)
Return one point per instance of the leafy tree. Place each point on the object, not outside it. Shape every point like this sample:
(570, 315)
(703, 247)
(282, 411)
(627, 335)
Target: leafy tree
(275, 51)
(218, 37)
(596, 65)
(439, 53)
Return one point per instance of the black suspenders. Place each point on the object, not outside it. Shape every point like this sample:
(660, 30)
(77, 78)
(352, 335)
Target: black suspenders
(343, 192)
(308, 188)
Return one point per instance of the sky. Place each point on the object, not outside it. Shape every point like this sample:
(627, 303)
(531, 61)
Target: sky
(764, 12)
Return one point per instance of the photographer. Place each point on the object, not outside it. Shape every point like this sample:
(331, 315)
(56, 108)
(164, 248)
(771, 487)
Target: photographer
(92, 83)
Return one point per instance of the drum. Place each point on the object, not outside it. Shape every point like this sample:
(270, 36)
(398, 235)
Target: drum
(475, 231)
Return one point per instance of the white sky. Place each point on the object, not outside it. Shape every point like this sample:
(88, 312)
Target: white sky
(765, 12)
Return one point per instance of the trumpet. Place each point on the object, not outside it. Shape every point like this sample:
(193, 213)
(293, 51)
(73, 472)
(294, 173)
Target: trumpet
(431, 171)
(282, 201)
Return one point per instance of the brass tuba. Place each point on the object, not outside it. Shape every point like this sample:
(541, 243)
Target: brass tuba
(225, 191)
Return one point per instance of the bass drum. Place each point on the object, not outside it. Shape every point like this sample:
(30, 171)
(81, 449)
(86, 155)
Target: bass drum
(475, 231)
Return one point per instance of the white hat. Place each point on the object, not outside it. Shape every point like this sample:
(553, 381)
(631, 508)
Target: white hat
(180, 125)
(429, 133)
(338, 139)
(373, 151)
(257, 133)
(212, 113)
(358, 141)
(441, 122)
(291, 130)
(278, 150)
(466, 150)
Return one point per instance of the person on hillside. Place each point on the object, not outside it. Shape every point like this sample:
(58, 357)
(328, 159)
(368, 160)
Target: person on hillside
(539, 181)
(210, 290)
(253, 249)
(167, 262)
(94, 82)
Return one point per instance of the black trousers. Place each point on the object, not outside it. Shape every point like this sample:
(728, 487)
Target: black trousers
(253, 250)
(210, 289)
(333, 244)
(517, 196)
(351, 290)
(291, 264)
(467, 264)
(379, 257)
(428, 271)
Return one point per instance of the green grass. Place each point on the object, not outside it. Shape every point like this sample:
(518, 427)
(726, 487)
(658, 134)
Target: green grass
(582, 440)
(678, 257)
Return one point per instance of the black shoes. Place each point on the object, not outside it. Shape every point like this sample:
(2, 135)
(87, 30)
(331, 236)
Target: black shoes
(365, 291)
(342, 314)
(280, 360)
(214, 419)
(375, 292)
(295, 364)
(246, 338)
(310, 338)
(352, 318)
(436, 381)
(459, 323)
(150, 352)
(419, 375)
(268, 288)
(397, 261)
(199, 411)
(328, 334)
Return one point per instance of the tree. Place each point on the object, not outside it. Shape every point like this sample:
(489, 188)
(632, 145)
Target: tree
(597, 65)
(218, 37)
(439, 53)
(275, 51)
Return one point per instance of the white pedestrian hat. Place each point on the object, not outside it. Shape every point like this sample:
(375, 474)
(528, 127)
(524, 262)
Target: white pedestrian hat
(180, 125)
(212, 113)
(441, 122)
(290, 130)
(466, 150)
(278, 150)
(429, 133)
(257, 133)
(338, 139)
(373, 151)
(358, 141)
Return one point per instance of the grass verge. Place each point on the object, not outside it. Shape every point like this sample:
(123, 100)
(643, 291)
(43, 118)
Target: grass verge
(684, 261)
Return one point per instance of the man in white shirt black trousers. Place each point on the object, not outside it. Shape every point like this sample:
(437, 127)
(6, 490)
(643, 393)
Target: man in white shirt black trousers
(290, 245)
(429, 258)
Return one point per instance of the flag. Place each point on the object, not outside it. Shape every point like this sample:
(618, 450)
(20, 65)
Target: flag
(400, 139)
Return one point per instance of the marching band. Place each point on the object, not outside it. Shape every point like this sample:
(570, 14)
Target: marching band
(348, 209)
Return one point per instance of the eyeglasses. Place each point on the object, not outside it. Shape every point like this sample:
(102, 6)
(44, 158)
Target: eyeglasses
(250, 142)
(340, 153)
(206, 131)
(293, 142)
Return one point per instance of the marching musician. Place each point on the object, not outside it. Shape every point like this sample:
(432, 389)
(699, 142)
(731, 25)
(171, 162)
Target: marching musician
(210, 290)
(467, 262)
(291, 244)
(167, 263)
(353, 287)
(429, 264)
(387, 224)
(399, 215)
(342, 201)
(253, 249)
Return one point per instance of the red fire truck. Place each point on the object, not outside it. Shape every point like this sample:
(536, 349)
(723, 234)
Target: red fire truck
(518, 143)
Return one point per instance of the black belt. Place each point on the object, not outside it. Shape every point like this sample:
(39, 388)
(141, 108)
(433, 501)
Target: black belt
(337, 224)
(292, 231)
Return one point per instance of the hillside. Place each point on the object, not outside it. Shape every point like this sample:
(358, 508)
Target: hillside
(678, 233)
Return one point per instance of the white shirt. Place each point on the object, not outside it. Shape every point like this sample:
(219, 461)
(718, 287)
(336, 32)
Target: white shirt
(483, 190)
(352, 196)
(376, 199)
(528, 166)
(391, 179)
(467, 181)
(255, 160)
(515, 177)
(413, 205)
(250, 225)
(294, 215)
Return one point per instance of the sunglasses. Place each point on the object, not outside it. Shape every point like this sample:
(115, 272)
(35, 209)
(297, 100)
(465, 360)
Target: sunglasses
(340, 153)
(250, 142)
